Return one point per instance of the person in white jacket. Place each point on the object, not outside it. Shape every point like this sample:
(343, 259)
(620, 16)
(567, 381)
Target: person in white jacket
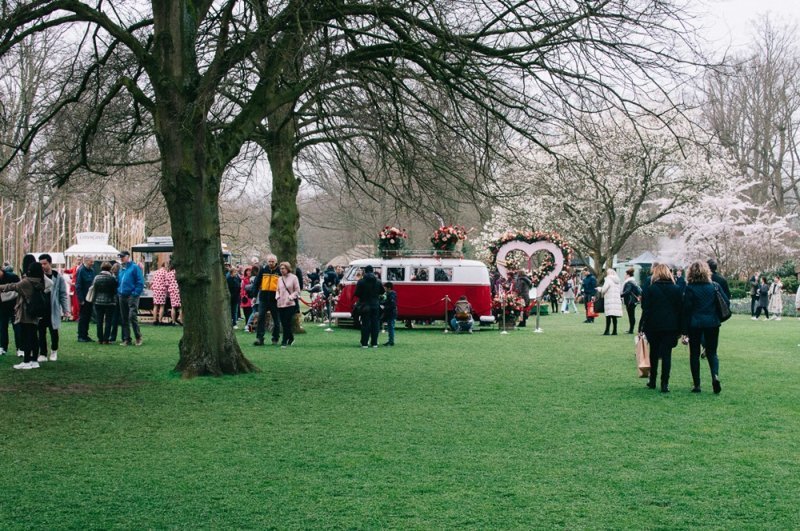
(613, 303)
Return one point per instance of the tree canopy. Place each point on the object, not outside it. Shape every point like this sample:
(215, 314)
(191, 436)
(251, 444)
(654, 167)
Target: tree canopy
(377, 86)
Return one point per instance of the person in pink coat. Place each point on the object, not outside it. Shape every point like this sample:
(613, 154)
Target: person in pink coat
(160, 286)
(174, 295)
(287, 295)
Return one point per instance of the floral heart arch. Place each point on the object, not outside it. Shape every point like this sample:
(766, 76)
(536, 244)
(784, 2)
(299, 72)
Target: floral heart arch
(551, 274)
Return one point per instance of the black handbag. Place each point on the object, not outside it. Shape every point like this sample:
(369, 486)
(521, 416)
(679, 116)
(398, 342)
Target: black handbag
(723, 311)
(600, 305)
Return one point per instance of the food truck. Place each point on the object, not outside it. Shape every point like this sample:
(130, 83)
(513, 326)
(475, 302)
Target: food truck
(427, 287)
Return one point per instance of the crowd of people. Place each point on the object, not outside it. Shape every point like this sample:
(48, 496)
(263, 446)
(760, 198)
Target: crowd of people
(36, 301)
(268, 295)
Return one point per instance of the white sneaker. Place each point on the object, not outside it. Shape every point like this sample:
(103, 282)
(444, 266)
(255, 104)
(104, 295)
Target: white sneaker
(20, 354)
(236, 328)
(2, 352)
(33, 365)
(41, 358)
(754, 318)
(53, 355)
(777, 318)
(22, 365)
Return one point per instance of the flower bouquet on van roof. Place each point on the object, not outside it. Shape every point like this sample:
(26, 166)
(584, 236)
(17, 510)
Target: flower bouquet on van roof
(446, 238)
(391, 238)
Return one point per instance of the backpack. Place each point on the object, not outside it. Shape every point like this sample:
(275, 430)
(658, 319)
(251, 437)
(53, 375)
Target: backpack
(251, 288)
(37, 304)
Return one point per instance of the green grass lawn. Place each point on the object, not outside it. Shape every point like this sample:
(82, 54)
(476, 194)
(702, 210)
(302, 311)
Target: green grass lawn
(523, 430)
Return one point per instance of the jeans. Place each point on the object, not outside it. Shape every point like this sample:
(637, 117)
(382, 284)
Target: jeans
(84, 319)
(390, 329)
(272, 307)
(753, 303)
(711, 339)
(567, 302)
(370, 326)
(461, 326)
(287, 316)
(105, 317)
(758, 312)
(44, 325)
(6, 318)
(234, 311)
(129, 316)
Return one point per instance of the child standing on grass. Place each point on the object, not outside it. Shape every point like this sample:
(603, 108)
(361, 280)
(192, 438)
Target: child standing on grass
(390, 311)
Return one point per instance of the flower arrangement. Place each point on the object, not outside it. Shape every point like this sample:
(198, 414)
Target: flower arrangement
(557, 286)
(391, 238)
(507, 301)
(446, 238)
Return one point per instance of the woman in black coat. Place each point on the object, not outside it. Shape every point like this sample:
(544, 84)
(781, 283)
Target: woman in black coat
(661, 322)
(701, 322)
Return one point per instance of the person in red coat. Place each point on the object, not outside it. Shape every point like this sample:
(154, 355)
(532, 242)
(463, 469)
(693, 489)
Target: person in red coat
(72, 275)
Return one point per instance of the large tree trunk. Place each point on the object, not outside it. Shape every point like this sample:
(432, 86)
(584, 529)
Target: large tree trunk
(192, 163)
(208, 346)
(285, 222)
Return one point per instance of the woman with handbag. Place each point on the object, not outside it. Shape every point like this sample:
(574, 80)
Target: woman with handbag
(612, 306)
(661, 322)
(286, 296)
(105, 302)
(631, 295)
(701, 321)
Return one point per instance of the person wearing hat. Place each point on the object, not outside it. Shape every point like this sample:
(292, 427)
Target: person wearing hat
(131, 285)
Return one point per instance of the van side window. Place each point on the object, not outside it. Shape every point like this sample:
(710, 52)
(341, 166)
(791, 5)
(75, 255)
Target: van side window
(395, 274)
(355, 273)
(443, 274)
(419, 273)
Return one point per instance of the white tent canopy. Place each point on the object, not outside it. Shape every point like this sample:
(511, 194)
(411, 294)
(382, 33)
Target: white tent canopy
(94, 244)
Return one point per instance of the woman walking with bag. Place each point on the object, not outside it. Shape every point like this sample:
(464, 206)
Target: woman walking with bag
(701, 321)
(287, 294)
(661, 323)
(29, 288)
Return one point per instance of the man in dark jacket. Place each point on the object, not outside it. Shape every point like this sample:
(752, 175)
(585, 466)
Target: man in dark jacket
(523, 285)
(82, 284)
(234, 282)
(719, 279)
(368, 291)
(267, 280)
(753, 282)
(7, 304)
(589, 289)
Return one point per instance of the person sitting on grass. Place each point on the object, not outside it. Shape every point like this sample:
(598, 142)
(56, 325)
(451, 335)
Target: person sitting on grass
(462, 321)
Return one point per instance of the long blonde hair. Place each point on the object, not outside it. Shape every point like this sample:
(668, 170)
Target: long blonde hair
(662, 272)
